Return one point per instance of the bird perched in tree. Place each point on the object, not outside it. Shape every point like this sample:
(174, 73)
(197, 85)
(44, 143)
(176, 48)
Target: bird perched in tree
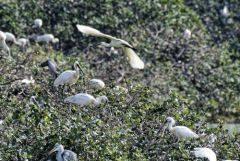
(37, 23)
(132, 57)
(23, 43)
(96, 84)
(52, 66)
(3, 44)
(205, 153)
(187, 34)
(69, 77)
(225, 11)
(63, 155)
(84, 99)
(10, 37)
(44, 38)
(181, 132)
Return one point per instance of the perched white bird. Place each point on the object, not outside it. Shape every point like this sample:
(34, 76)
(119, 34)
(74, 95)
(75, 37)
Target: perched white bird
(45, 38)
(84, 99)
(28, 81)
(96, 84)
(187, 34)
(205, 153)
(22, 42)
(69, 76)
(225, 11)
(3, 44)
(10, 37)
(181, 132)
(132, 57)
(63, 155)
(37, 23)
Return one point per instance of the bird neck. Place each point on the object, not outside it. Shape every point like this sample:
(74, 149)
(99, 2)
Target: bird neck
(59, 155)
(170, 126)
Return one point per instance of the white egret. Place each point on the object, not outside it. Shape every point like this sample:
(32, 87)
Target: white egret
(37, 23)
(63, 155)
(28, 81)
(84, 99)
(225, 11)
(96, 84)
(52, 66)
(3, 44)
(69, 76)
(181, 132)
(187, 34)
(44, 38)
(10, 37)
(132, 57)
(22, 42)
(205, 153)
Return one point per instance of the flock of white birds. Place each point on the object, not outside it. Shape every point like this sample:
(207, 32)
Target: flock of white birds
(70, 77)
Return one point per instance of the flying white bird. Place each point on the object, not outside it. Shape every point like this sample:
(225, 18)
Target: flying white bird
(63, 155)
(10, 37)
(44, 38)
(205, 153)
(132, 57)
(187, 34)
(96, 84)
(84, 99)
(69, 76)
(3, 44)
(37, 23)
(181, 132)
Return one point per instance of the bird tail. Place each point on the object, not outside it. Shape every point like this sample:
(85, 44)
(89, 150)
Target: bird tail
(133, 58)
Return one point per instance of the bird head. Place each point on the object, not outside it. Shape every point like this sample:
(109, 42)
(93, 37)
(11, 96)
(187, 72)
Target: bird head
(57, 147)
(170, 120)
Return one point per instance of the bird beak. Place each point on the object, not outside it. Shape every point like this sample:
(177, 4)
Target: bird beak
(53, 150)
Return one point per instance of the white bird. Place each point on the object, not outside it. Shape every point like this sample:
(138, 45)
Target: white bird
(96, 84)
(45, 38)
(63, 155)
(181, 132)
(187, 34)
(10, 37)
(28, 81)
(84, 99)
(3, 44)
(205, 153)
(225, 11)
(22, 42)
(132, 57)
(37, 23)
(69, 76)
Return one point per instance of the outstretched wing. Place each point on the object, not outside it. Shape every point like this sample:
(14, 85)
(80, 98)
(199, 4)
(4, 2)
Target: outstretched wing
(93, 32)
(133, 59)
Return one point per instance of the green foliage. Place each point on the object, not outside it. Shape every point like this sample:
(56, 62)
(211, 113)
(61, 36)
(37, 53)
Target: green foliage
(195, 81)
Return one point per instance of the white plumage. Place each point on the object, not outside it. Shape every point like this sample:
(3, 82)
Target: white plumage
(3, 44)
(187, 34)
(10, 37)
(37, 23)
(68, 77)
(205, 153)
(181, 132)
(132, 57)
(45, 38)
(96, 84)
(84, 99)
(225, 11)
(22, 42)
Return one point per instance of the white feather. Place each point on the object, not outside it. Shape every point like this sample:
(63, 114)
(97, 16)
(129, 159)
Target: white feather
(67, 77)
(96, 84)
(133, 58)
(205, 153)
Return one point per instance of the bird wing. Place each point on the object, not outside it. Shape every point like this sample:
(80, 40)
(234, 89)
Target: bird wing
(93, 32)
(80, 99)
(68, 155)
(133, 59)
(185, 132)
(64, 77)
